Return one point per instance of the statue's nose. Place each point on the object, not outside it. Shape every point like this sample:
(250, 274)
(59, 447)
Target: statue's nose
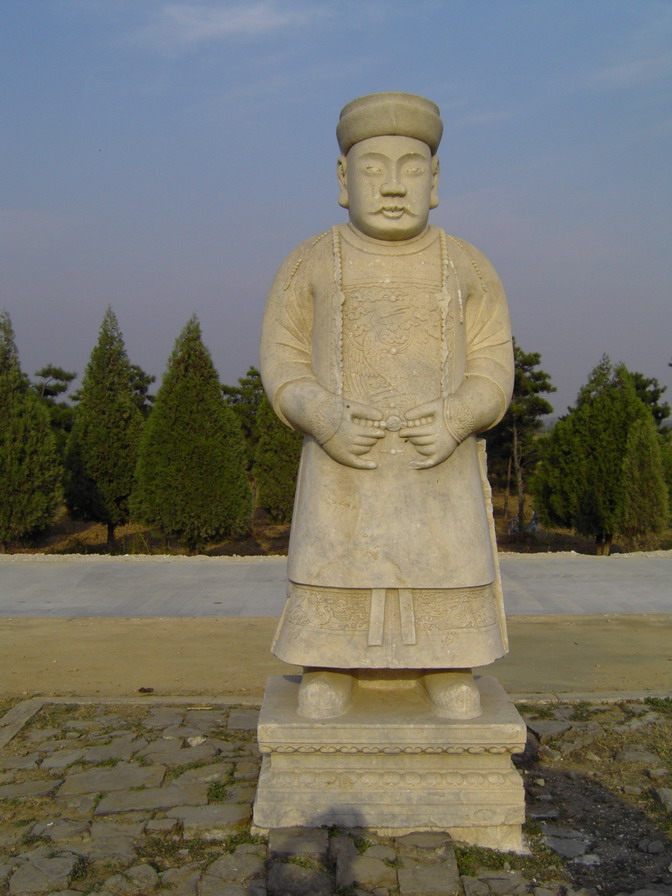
(393, 187)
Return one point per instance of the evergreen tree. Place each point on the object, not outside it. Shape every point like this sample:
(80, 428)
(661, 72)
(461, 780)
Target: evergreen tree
(645, 512)
(30, 473)
(191, 480)
(581, 482)
(650, 391)
(512, 444)
(245, 399)
(54, 381)
(103, 444)
(276, 463)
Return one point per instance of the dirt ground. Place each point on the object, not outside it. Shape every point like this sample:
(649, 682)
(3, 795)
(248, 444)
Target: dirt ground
(231, 656)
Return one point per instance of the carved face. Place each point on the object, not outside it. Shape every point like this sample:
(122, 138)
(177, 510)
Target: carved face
(388, 184)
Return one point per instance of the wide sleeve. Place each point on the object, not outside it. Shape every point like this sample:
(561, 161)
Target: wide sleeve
(484, 394)
(286, 361)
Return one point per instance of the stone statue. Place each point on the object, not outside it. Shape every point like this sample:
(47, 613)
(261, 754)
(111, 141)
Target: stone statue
(387, 343)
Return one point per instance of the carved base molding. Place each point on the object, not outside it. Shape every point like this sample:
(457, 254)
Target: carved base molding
(391, 765)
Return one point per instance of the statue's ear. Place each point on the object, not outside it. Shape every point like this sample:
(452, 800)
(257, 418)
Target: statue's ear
(434, 195)
(342, 170)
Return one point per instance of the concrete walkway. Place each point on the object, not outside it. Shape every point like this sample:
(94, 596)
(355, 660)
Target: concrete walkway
(130, 587)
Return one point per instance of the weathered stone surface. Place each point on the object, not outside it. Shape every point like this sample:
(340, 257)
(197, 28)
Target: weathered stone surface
(503, 883)
(60, 829)
(664, 797)
(121, 777)
(20, 762)
(62, 759)
(43, 874)
(474, 887)
(172, 754)
(243, 720)
(140, 879)
(234, 869)
(213, 822)
(366, 871)
(162, 716)
(311, 842)
(427, 846)
(39, 787)
(566, 842)
(418, 879)
(638, 753)
(286, 879)
(205, 774)
(157, 798)
(120, 748)
(181, 881)
(466, 787)
(547, 729)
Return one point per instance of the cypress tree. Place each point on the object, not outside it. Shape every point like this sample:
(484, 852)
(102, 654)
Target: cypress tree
(582, 481)
(102, 449)
(645, 510)
(276, 463)
(30, 473)
(191, 480)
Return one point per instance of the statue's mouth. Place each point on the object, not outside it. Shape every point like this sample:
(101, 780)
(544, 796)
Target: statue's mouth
(393, 211)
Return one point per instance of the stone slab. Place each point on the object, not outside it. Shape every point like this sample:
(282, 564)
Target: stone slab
(391, 765)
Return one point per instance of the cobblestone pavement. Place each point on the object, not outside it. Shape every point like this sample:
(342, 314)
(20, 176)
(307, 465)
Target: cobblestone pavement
(122, 799)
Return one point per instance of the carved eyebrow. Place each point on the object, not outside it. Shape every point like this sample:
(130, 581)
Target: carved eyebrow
(380, 156)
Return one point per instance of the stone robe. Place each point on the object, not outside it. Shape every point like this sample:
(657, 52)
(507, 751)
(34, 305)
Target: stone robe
(392, 567)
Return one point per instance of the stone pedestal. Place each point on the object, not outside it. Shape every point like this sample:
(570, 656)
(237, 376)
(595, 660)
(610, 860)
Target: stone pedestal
(391, 765)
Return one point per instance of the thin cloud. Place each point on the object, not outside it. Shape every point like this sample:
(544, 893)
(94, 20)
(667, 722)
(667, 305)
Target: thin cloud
(185, 25)
(632, 73)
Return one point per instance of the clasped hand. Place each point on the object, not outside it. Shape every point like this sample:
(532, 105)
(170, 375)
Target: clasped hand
(359, 430)
(361, 427)
(426, 430)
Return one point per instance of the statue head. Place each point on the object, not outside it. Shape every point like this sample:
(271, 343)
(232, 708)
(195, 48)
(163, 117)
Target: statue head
(388, 170)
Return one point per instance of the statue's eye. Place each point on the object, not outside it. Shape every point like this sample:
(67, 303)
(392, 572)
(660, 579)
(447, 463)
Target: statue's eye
(413, 170)
(372, 169)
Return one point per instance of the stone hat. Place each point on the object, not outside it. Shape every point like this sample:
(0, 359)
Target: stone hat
(382, 114)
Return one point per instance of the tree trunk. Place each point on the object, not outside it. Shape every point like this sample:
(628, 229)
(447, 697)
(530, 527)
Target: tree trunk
(507, 493)
(110, 534)
(520, 484)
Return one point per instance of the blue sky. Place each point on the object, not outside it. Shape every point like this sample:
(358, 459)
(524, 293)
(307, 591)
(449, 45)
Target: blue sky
(163, 157)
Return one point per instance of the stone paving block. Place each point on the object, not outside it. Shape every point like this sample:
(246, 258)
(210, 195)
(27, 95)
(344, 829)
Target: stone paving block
(243, 720)
(379, 851)
(311, 842)
(172, 754)
(286, 879)
(214, 822)
(62, 759)
(664, 797)
(159, 826)
(236, 870)
(365, 871)
(120, 748)
(121, 777)
(20, 762)
(472, 886)
(205, 774)
(140, 879)
(437, 879)
(162, 716)
(246, 771)
(40, 787)
(43, 874)
(427, 846)
(60, 829)
(157, 798)
(181, 881)
(126, 826)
